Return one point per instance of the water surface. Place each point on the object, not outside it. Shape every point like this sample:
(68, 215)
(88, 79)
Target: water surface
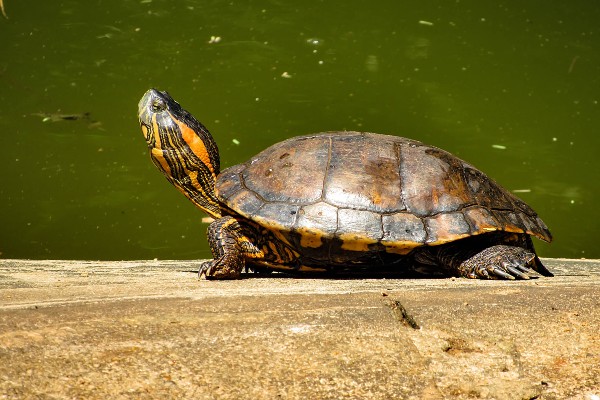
(512, 87)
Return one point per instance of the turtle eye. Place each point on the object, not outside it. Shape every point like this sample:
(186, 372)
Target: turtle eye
(158, 105)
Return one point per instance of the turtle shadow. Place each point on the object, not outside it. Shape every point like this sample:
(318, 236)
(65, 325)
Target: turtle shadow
(346, 276)
(332, 276)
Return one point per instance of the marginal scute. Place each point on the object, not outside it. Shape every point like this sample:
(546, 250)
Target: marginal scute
(228, 183)
(246, 203)
(532, 226)
(444, 228)
(316, 222)
(403, 227)
(542, 231)
(402, 232)
(481, 219)
(284, 214)
(510, 221)
(358, 229)
(520, 204)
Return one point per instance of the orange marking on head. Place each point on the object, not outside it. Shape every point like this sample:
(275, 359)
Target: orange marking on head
(196, 144)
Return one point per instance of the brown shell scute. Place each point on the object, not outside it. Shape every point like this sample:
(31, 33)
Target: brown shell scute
(432, 182)
(363, 176)
(366, 189)
(282, 174)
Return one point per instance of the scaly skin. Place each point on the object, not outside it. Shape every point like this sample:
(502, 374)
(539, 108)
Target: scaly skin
(230, 247)
(498, 262)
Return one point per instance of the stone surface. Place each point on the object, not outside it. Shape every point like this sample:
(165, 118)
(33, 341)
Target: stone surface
(151, 329)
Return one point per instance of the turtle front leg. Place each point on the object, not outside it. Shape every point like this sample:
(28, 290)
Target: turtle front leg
(230, 248)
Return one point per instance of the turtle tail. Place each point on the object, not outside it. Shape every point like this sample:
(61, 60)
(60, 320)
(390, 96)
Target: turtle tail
(538, 267)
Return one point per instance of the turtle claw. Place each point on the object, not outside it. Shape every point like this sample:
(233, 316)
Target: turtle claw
(205, 268)
(498, 272)
(219, 269)
(522, 268)
(515, 272)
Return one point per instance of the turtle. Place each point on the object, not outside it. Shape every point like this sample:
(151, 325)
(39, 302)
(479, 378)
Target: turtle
(342, 203)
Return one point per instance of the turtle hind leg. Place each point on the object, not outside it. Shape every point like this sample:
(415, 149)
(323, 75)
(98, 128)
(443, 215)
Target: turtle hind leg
(230, 248)
(501, 262)
(490, 257)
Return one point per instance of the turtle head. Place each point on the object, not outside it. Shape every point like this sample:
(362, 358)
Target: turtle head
(182, 149)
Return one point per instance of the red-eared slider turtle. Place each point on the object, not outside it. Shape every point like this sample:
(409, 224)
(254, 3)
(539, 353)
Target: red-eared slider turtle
(343, 202)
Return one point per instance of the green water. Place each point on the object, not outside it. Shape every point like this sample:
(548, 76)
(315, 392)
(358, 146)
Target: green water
(512, 87)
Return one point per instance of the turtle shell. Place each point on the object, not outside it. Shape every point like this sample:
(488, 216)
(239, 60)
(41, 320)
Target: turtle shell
(366, 189)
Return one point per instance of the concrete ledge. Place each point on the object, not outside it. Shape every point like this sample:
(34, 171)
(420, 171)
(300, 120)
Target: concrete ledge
(151, 329)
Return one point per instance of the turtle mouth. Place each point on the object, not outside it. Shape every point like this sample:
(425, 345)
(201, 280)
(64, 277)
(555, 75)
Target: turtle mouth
(152, 103)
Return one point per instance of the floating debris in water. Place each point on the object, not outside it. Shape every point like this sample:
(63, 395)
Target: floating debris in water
(427, 23)
(286, 75)
(214, 39)
(235, 141)
(95, 125)
(522, 191)
(372, 63)
(314, 41)
(572, 65)
(499, 147)
(49, 117)
(56, 117)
